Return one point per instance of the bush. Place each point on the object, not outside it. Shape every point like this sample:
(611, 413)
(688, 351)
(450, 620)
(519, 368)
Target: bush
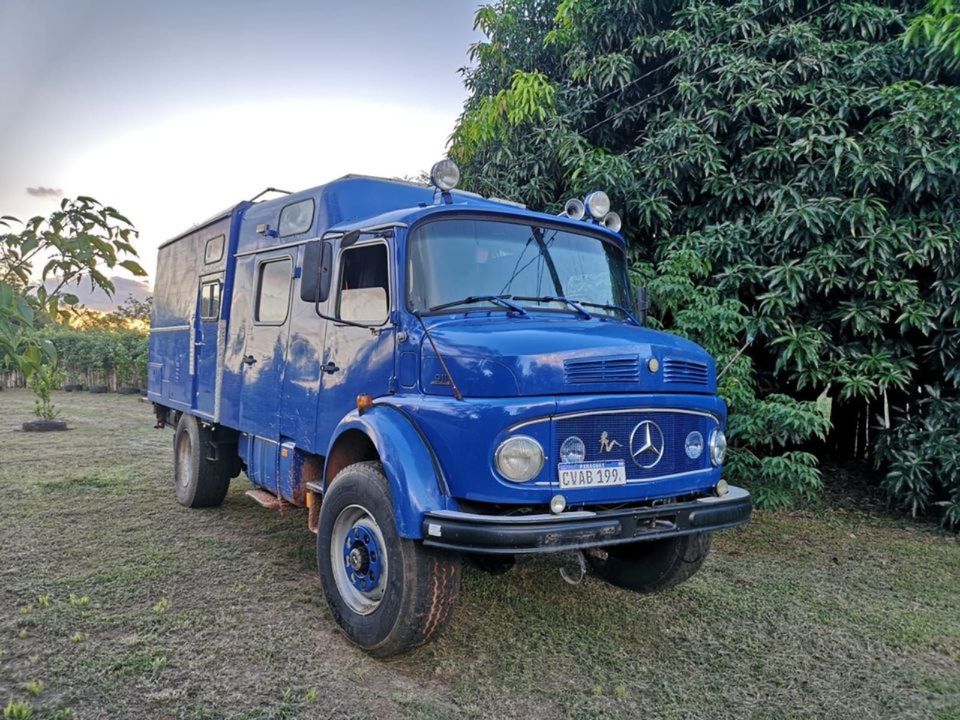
(923, 456)
(44, 380)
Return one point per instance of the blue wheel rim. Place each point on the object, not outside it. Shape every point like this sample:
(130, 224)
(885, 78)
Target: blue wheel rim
(359, 559)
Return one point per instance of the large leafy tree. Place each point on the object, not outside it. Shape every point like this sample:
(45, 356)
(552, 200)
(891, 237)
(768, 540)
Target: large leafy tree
(787, 170)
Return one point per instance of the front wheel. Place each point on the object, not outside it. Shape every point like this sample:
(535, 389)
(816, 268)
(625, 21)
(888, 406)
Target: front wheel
(649, 567)
(388, 594)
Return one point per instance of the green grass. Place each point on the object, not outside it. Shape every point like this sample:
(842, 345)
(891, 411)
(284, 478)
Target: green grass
(117, 602)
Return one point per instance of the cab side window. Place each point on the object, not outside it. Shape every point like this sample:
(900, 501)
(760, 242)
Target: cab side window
(273, 291)
(210, 301)
(364, 292)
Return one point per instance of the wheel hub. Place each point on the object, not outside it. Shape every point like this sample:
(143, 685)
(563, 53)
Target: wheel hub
(362, 558)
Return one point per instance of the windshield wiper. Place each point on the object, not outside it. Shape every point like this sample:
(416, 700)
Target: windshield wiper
(558, 298)
(626, 312)
(501, 300)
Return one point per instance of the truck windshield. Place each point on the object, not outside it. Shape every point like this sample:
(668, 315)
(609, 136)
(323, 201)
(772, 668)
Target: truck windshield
(467, 259)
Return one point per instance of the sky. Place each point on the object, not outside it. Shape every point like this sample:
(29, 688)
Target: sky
(172, 111)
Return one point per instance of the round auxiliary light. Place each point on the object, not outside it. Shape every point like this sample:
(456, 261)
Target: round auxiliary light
(558, 503)
(722, 488)
(575, 209)
(572, 450)
(693, 445)
(598, 204)
(445, 174)
(718, 447)
(611, 221)
(519, 458)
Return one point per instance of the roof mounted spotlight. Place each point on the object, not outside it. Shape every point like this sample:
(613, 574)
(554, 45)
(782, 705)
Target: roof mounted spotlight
(445, 175)
(598, 204)
(574, 209)
(611, 221)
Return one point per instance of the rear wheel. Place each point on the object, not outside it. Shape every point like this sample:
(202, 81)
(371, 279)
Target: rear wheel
(649, 567)
(202, 475)
(388, 594)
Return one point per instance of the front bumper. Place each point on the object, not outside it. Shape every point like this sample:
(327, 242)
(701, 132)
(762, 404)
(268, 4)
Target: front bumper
(575, 530)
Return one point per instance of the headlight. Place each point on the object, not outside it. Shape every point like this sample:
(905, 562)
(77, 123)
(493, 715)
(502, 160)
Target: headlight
(598, 204)
(445, 175)
(519, 458)
(693, 445)
(718, 447)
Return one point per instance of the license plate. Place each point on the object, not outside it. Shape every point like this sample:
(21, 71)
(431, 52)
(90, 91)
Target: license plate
(591, 474)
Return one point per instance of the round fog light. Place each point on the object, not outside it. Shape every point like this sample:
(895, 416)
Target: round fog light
(558, 504)
(722, 488)
(573, 450)
(598, 204)
(693, 445)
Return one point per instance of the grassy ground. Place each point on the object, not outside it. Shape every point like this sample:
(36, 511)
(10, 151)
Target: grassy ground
(117, 602)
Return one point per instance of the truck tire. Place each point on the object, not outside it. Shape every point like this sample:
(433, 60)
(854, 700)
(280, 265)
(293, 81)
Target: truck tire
(200, 482)
(649, 567)
(388, 594)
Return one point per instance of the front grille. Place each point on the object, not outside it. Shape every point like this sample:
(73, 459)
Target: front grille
(686, 372)
(622, 369)
(618, 427)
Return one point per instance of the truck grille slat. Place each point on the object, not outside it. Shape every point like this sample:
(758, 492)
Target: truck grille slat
(602, 370)
(685, 372)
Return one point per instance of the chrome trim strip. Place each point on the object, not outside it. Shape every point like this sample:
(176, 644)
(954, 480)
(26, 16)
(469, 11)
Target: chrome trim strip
(658, 478)
(615, 411)
(284, 246)
(221, 352)
(510, 519)
(192, 352)
(326, 236)
(169, 328)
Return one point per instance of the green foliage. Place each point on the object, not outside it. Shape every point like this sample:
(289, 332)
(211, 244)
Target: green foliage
(788, 170)
(43, 382)
(761, 430)
(938, 29)
(923, 454)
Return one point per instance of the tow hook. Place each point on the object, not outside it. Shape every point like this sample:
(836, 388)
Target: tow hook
(576, 577)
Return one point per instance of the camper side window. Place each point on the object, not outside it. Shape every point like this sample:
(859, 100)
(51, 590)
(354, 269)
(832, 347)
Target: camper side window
(364, 285)
(210, 300)
(273, 291)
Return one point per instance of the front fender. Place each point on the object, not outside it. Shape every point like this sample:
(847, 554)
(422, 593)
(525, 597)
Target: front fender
(417, 484)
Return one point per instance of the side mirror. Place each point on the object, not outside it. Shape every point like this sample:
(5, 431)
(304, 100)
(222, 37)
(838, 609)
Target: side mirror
(317, 271)
(641, 309)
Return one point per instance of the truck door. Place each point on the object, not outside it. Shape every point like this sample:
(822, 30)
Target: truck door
(265, 345)
(357, 360)
(206, 346)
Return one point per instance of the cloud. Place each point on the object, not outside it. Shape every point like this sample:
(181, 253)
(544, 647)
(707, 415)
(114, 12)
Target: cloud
(41, 191)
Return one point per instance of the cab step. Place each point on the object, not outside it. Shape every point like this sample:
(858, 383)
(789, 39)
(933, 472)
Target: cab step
(267, 500)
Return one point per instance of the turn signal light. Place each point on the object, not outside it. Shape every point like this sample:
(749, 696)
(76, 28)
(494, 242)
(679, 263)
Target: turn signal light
(364, 402)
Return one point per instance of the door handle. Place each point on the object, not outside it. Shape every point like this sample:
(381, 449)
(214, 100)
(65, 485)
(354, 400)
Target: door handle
(330, 368)
(249, 360)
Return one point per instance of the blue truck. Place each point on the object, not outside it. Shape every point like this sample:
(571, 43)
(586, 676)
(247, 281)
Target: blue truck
(436, 376)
